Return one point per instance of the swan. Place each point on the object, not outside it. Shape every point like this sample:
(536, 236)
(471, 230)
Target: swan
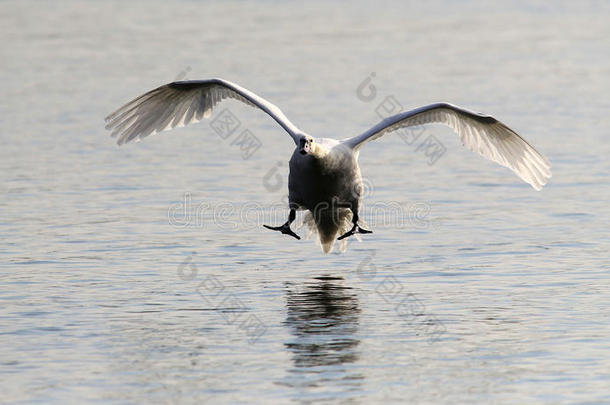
(324, 177)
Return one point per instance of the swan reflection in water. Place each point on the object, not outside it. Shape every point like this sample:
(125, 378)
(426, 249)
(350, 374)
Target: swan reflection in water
(322, 316)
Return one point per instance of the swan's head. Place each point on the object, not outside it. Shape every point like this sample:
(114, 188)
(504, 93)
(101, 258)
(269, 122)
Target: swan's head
(306, 145)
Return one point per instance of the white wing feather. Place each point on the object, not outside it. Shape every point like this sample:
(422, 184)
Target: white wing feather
(480, 133)
(181, 103)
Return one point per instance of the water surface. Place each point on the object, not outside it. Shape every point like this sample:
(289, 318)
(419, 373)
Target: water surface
(479, 290)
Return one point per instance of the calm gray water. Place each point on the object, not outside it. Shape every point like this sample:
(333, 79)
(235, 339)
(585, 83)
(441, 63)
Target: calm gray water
(142, 274)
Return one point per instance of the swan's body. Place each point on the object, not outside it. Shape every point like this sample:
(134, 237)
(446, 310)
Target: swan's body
(324, 173)
(326, 182)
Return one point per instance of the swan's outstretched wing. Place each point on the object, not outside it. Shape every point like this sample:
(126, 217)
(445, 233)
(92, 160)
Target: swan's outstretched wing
(180, 103)
(480, 133)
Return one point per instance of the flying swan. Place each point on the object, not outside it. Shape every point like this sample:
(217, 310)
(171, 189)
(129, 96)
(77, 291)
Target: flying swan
(324, 174)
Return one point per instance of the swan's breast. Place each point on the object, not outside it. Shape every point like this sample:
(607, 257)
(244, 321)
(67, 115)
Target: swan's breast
(314, 180)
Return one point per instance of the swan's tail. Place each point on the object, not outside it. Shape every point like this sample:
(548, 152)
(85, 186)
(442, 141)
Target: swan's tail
(328, 227)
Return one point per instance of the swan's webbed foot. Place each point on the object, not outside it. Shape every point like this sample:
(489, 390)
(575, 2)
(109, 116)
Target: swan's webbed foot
(355, 229)
(285, 229)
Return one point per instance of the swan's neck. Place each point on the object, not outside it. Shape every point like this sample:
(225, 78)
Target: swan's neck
(318, 151)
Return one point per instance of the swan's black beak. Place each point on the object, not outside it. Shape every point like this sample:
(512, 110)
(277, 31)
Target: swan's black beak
(305, 147)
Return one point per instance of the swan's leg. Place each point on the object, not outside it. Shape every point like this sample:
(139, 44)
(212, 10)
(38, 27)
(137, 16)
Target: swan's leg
(285, 229)
(356, 228)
